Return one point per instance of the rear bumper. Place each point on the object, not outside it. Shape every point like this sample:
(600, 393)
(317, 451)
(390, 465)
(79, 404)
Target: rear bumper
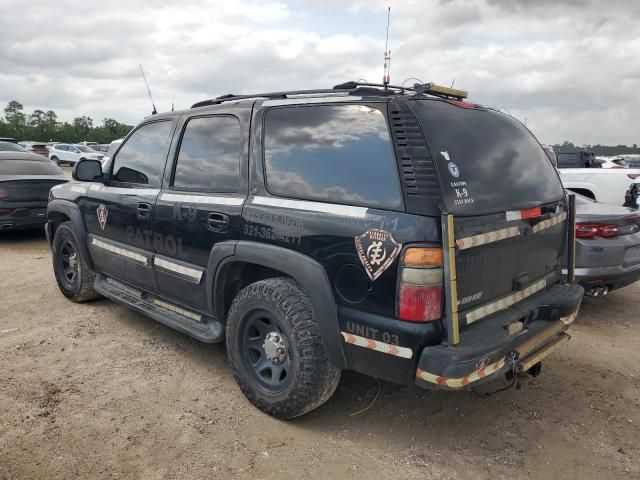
(612, 277)
(614, 263)
(487, 350)
(28, 215)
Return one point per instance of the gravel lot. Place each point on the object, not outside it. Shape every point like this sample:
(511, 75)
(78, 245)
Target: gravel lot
(98, 391)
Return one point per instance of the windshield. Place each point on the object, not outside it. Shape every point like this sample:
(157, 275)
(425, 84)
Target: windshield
(487, 161)
(11, 147)
(82, 148)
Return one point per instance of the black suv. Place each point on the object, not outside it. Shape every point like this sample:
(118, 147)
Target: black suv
(403, 233)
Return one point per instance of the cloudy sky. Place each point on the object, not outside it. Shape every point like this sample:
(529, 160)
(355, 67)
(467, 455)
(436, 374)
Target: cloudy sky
(570, 67)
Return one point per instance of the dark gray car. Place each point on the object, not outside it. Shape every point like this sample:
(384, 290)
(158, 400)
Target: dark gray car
(607, 246)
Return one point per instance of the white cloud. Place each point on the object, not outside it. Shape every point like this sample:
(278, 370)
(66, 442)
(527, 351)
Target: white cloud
(569, 67)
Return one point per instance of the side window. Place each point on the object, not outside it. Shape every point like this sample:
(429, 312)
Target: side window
(141, 159)
(331, 153)
(209, 156)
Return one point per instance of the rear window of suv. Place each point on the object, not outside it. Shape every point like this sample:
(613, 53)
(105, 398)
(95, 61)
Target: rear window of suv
(487, 161)
(331, 153)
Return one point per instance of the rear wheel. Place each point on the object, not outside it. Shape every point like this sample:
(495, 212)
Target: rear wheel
(73, 274)
(275, 350)
(55, 160)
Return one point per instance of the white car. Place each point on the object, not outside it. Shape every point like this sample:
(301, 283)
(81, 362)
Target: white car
(610, 162)
(61, 153)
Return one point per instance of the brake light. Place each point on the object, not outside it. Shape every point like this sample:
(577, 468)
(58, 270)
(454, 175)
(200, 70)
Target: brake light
(420, 289)
(530, 213)
(4, 211)
(633, 176)
(592, 230)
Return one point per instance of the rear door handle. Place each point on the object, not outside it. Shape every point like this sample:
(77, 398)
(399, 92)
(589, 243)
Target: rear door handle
(144, 210)
(217, 222)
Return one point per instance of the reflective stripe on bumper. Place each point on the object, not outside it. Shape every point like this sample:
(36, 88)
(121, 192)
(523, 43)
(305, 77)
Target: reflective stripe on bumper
(382, 347)
(526, 360)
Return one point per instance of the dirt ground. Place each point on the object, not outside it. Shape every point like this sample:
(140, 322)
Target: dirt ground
(97, 391)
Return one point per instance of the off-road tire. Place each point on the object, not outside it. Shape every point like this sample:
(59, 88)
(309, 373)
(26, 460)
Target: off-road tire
(313, 379)
(80, 290)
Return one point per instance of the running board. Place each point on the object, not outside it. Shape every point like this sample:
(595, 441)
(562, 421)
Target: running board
(203, 327)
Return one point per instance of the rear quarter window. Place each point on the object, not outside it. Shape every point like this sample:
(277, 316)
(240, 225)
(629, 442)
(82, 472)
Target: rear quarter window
(331, 153)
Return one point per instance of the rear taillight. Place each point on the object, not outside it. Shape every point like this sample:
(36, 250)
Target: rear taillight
(420, 285)
(588, 230)
(3, 193)
(592, 230)
(633, 176)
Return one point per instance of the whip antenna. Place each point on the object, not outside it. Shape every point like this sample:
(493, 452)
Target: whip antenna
(148, 91)
(387, 55)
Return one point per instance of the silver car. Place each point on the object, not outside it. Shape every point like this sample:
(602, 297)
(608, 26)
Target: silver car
(607, 246)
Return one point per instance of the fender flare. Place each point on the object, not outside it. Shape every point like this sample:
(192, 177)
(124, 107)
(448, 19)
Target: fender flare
(72, 211)
(307, 273)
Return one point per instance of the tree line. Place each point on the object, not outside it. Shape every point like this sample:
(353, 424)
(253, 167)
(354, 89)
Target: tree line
(43, 126)
(599, 150)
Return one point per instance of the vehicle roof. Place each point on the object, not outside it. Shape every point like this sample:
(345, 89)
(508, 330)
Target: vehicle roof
(23, 156)
(346, 92)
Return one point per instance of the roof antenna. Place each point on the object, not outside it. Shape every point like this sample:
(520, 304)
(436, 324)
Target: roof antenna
(148, 91)
(387, 55)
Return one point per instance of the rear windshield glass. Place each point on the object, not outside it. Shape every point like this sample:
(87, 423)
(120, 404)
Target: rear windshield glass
(28, 167)
(11, 147)
(487, 161)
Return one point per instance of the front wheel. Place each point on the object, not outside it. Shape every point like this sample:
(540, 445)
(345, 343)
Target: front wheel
(275, 350)
(73, 274)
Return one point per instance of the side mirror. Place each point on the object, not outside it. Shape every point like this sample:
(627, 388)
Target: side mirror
(87, 170)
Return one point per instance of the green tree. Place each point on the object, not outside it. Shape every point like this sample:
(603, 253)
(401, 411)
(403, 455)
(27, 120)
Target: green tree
(82, 125)
(13, 114)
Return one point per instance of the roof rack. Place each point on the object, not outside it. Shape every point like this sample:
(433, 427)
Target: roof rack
(348, 88)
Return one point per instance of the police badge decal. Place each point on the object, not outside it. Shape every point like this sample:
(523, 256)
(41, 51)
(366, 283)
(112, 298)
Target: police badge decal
(377, 250)
(103, 213)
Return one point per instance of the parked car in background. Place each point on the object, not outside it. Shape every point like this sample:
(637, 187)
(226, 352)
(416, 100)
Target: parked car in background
(632, 197)
(112, 149)
(25, 181)
(610, 162)
(548, 149)
(64, 153)
(36, 147)
(606, 185)
(8, 139)
(607, 246)
(104, 148)
(632, 161)
(11, 147)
